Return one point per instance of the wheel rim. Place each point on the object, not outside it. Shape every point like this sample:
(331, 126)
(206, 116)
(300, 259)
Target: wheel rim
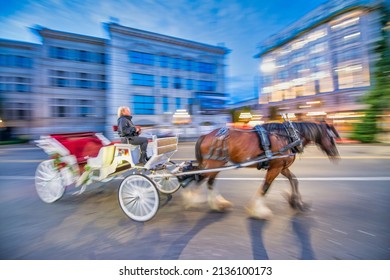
(48, 182)
(138, 197)
(166, 184)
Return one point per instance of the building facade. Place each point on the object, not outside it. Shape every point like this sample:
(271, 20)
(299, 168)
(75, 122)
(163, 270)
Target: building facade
(18, 84)
(72, 82)
(320, 66)
(156, 75)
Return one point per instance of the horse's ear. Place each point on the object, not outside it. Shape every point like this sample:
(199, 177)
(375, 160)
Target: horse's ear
(333, 130)
(331, 133)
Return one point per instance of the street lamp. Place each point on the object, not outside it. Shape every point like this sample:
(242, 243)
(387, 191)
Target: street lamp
(181, 116)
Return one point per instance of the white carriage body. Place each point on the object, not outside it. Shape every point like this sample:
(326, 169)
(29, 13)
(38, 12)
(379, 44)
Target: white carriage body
(70, 162)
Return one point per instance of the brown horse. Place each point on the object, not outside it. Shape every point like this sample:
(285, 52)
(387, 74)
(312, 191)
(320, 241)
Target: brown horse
(217, 148)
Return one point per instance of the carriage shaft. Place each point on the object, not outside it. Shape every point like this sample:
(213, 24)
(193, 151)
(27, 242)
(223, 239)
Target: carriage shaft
(229, 167)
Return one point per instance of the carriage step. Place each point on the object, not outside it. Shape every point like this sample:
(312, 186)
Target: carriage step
(122, 167)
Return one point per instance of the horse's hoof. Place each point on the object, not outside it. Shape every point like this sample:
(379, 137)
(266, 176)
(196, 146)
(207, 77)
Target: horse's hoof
(263, 214)
(219, 204)
(304, 207)
(301, 207)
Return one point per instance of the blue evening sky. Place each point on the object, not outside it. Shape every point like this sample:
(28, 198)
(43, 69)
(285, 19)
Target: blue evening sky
(239, 24)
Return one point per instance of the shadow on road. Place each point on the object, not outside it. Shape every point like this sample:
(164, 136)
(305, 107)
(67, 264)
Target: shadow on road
(301, 225)
(177, 246)
(256, 228)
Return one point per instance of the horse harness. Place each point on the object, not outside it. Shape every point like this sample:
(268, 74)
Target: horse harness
(296, 142)
(219, 148)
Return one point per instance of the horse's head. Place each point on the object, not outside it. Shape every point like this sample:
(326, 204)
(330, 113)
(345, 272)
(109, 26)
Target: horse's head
(327, 141)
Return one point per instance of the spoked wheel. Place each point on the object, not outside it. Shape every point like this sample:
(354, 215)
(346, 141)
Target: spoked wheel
(166, 184)
(48, 182)
(138, 197)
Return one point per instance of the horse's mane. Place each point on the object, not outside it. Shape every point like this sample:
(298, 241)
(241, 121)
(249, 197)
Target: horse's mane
(309, 130)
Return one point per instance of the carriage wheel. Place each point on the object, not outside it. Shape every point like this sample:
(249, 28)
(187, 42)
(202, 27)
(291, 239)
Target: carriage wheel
(166, 184)
(138, 197)
(48, 182)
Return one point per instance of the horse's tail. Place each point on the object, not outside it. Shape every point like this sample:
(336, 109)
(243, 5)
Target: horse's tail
(198, 154)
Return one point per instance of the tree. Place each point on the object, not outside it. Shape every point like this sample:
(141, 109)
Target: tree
(378, 98)
(273, 113)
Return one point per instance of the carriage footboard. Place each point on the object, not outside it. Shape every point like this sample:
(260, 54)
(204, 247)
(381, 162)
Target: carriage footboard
(163, 150)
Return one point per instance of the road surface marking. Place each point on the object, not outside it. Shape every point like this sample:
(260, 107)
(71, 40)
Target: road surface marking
(250, 179)
(313, 179)
(365, 232)
(313, 157)
(17, 177)
(335, 242)
(20, 160)
(340, 231)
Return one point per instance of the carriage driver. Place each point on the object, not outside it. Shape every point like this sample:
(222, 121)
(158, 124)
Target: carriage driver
(126, 129)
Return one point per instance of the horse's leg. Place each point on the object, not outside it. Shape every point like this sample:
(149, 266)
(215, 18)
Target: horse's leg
(216, 201)
(295, 199)
(257, 208)
(192, 195)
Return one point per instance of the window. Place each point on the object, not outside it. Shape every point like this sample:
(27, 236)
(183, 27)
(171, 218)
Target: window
(100, 58)
(66, 108)
(319, 47)
(206, 86)
(207, 68)
(187, 65)
(165, 101)
(164, 61)
(60, 108)
(141, 58)
(142, 80)
(17, 111)
(346, 23)
(60, 78)
(352, 38)
(177, 83)
(297, 56)
(15, 61)
(350, 76)
(164, 81)
(178, 102)
(282, 74)
(84, 84)
(190, 84)
(190, 105)
(61, 53)
(316, 61)
(77, 55)
(86, 108)
(176, 63)
(59, 82)
(143, 104)
(102, 85)
(349, 54)
(84, 56)
(22, 88)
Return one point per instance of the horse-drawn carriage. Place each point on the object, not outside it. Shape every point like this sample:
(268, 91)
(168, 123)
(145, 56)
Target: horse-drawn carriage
(82, 158)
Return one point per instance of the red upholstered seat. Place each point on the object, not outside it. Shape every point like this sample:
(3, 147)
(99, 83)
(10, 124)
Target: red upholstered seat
(81, 144)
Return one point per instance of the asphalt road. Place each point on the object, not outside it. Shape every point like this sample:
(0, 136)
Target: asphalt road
(349, 218)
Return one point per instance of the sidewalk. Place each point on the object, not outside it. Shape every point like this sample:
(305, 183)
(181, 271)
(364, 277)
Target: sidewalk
(347, 141)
